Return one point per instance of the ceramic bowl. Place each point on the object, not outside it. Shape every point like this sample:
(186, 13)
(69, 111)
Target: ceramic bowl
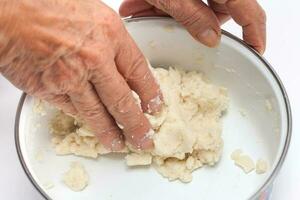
(258, 121)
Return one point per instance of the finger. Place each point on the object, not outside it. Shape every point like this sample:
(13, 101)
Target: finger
(250, 15)
(149, 13)
(220, 11)
(134, 68)
(62, 102)
(138, 8)
(117, 97)
(97, 118)
(131, 7)
(195, 15)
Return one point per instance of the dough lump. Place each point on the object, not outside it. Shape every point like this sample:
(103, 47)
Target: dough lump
(76, 178)
(261, 166)
(187, 132)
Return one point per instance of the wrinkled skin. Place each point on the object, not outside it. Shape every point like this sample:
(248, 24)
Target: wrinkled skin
(203, 21)
(78, 56)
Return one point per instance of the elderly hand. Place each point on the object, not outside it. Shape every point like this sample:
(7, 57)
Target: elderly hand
(78, 56)
(203, 21)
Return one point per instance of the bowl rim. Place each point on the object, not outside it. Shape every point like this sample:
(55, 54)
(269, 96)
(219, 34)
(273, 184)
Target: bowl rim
(271, 177)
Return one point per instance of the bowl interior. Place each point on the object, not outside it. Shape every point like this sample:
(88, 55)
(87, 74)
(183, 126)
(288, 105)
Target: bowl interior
(256, 122)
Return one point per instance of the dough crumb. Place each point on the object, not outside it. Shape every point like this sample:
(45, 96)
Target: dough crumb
(236, 154)
(135, 159)
(76, 178)
(261, 166)
(243, 161)
(48, 185)
(39, 108)
(268, 105)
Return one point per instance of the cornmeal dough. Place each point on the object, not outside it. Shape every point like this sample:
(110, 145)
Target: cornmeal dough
(261, 166)
(187, 132)
(247, 164)
(135, 159)
(76, 178)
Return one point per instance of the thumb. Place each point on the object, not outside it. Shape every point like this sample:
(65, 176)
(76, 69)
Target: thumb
(195, 16)
(132, 7)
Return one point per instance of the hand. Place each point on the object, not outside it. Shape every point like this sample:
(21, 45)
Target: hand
(78, 56)
(203, 21)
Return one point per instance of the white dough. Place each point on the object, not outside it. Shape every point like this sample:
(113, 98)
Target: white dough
(76, 178)
(245, 162)
(187, 132)
(135, 159)
(236, 154)
(261, 166)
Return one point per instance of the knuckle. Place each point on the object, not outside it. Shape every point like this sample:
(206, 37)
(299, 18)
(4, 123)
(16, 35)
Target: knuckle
(61, 99)
(192, 19)
(135, 70)
(123, 104)
(102, 78)
(93, 111)
(164, 4)
(112, 25)
(62, 78)
(169, 6)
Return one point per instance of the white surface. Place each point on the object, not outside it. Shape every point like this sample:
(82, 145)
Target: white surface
(249, 85)
(282, 52)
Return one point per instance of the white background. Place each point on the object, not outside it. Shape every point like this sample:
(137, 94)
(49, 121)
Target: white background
(283, 52)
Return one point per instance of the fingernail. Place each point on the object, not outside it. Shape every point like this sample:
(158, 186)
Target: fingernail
(111, 142)
(155, 104)
(146, 144)
(141, 141)
(117, 144)
(209, 37)
(147, 140)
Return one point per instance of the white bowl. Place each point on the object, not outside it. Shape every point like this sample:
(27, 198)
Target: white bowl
(255, 91)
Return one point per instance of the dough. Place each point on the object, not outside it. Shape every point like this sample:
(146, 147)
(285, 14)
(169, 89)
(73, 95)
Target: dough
(48, 185)
(38, 107)
(136, 159)
(187, 132)
(261, 166)
(236, 154)
(76, 178)
(247, 164)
